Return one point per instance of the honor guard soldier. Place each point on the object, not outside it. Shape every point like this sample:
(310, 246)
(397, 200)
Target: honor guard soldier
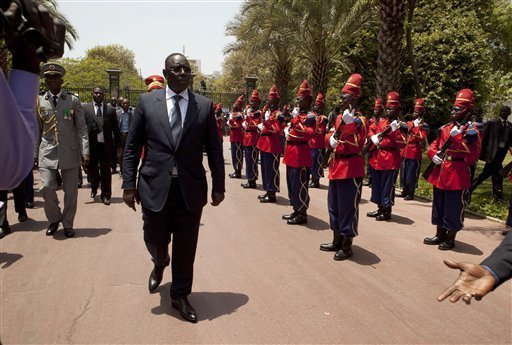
(270, 147)
(346, 171)
(377, 112)
(456, 148)
(297, 156)
(412, 135)
(62, 122)
(236, 137)
(251, 136)
(385, 158)
(219, 117)
(154, 82)
(317, 143)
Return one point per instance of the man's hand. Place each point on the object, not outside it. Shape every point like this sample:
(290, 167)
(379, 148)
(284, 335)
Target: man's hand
(130, 196)
(85, 160)
(217, 198)
(474, 281)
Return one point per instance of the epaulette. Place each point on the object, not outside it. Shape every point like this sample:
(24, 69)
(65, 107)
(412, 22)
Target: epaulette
(72, 94)
(42, 93)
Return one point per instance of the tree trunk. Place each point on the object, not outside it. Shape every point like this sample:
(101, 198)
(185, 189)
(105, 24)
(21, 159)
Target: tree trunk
(392, 15)
(410, 47)
(282, 77)
(319, 69)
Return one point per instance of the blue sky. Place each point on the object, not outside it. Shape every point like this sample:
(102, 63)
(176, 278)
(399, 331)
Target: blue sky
(153, 29)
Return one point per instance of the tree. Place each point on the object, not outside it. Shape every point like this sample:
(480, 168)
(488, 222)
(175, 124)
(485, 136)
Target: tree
(115, 54)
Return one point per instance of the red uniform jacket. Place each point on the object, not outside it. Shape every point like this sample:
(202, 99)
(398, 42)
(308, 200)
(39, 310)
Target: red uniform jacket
(236, 133)
(220, 122)
(347, 161)
(298, 152)
(251, 133)
(410, 140)
(270, 136)
(454, 173)
(318, 140)
(387, 154)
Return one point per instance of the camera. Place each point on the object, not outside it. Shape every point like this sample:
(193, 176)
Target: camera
(15, 26)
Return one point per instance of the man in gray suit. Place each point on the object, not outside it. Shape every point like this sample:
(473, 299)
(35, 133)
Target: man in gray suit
(61, 121)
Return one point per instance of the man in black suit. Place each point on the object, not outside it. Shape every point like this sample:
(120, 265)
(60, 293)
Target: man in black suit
(104, 140)
(477, 280)
(174, 124)
(496, 141)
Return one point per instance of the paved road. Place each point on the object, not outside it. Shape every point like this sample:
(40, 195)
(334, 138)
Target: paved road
(257, 280)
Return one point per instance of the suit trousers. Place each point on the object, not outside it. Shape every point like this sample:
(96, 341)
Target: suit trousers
(51, 202)
(448, 208)
(123, 137)
(343, 198)
(99, 170)
(491, 169)
(175, 221)
(18, 194)
(270, 171)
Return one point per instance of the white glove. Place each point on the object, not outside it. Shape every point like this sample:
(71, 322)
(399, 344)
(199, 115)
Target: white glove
(230, 116)
(286, 132)
(267, 114)
(260, 126)
(375, 139)
(333, 142)
(455, 131)
(244, 125)
(394, 125)
(295, 111)
(348, 117)
(416, 122)
(437, 160)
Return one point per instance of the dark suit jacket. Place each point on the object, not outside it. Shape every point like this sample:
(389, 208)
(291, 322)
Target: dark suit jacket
(500, 260)
(491, 138)
(110, 127)
(150, 127)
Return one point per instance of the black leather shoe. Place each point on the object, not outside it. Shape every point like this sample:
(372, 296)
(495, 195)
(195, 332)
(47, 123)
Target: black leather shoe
(446, 245)
(437, 239)
(250, 184)
(93, 193)
(106, 201)
(52, 228)
(385, 215)
(155, 278)
(375, 213)
(346, 249)
(269, 198)
(22, 217)
(4, 231)
(298, 219)
(262, 196)
(29, 204)
(335, 245)
(186, 310)
(69, 232)
(409, 197)
(235, 175)
(289, 216)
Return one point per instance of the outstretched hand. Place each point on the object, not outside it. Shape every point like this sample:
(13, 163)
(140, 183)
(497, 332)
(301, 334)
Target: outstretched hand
(217, 198)
(130, 196)
(473, 281)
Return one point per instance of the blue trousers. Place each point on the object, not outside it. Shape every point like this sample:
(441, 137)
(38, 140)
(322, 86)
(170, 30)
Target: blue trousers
(270, 171)
(237, 156)
(409, 174)
(448, 208)
(316, 170)
(383, 187)
(251, 162)
(343, 200)
(297, 180)
(369, 173)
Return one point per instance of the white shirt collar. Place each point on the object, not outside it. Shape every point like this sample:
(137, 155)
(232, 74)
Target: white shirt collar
(169, 93)
(58, 95)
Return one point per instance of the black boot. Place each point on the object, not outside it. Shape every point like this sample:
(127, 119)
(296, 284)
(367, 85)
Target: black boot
(335, 245)
(385, 215)
(315, 183)
(262, 196)
(409, 196)
(449, 241)
(250, 184)
(271, 197)
(375, 213)
(289, 216)
(346, 249)
(300, 218)
(236, 174)
(437, 239)
(404, 193)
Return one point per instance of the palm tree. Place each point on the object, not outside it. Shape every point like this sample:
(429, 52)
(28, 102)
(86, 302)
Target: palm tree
(71, 33)
(389, 61)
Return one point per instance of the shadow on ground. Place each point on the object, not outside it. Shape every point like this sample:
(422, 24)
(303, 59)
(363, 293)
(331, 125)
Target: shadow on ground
(364, 257)
(7, 259)
(82, 232)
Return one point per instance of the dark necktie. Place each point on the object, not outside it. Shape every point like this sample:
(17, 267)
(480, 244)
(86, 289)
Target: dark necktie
(55, 99)
(176, 126)
(99, 117)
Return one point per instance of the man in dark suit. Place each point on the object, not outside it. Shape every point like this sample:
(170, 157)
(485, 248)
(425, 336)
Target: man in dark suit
(174, 124)
(104, 140)
(477, 280)
(496, 141)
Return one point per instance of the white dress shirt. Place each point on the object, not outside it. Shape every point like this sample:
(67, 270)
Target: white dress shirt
(170, 108)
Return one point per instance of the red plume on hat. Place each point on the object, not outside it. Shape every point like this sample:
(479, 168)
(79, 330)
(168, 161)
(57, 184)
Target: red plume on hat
(320, 99)
(419, 105)
(255, 96)
(240, 101)
(273, 94)
(393, 99)
(304, 90)
(378, 104)
(465, 99)
(353, 85)
(154, 82)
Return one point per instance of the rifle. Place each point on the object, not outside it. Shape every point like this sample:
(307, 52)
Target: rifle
(505, 171)
(370, 146)
(441, 154)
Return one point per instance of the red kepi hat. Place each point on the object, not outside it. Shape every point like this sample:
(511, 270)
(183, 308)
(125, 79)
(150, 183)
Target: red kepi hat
(273, 94)
(378, 104)
(154, 82)
(304, 90)
(419, 105)
(240, 101)
(465, 99)
(393, 100)
(255, 96)
(353, 85)
(320, 99)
